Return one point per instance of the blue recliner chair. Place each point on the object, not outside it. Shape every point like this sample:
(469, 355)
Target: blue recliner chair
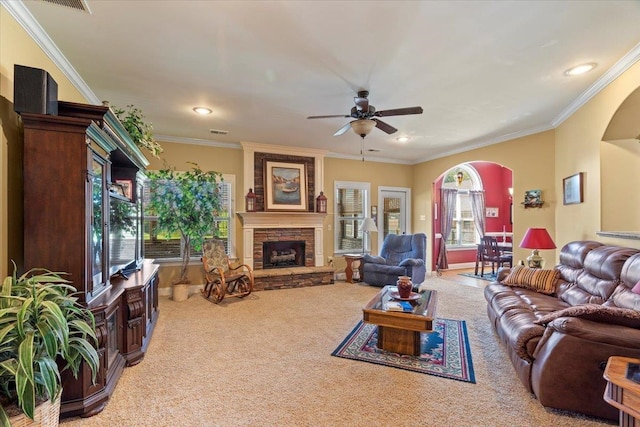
(400, 255)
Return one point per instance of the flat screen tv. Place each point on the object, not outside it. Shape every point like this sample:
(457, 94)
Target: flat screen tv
(125, 239)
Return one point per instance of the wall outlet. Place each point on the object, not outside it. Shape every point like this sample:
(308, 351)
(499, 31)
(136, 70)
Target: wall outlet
(329, 227)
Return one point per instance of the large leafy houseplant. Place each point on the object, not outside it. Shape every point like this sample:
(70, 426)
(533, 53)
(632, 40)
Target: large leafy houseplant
(141, 132)
(186, 203)
(42, 327)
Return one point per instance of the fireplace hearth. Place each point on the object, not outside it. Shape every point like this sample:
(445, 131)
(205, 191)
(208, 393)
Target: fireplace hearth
(281, 254)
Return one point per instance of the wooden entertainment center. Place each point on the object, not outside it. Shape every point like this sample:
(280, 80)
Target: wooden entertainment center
(83, 182)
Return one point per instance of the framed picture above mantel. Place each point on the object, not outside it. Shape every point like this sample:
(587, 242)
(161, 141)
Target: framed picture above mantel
(285, 186)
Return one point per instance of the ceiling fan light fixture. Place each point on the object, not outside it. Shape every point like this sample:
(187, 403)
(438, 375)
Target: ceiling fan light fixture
(363, 127)
(580, 69)
(202, 110)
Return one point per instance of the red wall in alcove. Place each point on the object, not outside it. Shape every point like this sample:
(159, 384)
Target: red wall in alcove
(496, 180)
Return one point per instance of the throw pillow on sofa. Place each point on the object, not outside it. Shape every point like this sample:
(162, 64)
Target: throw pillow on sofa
(596, 313)
(537, 279)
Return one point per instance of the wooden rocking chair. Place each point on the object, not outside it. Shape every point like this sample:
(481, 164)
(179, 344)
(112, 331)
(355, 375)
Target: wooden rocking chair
(221, 277)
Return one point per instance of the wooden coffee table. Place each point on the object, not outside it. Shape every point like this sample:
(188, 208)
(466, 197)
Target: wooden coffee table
(398, 331)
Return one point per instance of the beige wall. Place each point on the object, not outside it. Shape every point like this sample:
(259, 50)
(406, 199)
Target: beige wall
(375, 173)
(579, 148)
(17, 47)
(531, 159)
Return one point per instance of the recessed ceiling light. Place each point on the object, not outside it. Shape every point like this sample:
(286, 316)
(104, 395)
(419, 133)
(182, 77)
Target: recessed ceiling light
(203, 110)
(403, 139)
(580, 69)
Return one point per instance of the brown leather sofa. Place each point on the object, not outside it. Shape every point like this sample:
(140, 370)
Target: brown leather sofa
(559, 343)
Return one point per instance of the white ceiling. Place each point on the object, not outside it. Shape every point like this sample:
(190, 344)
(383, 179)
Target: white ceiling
(483, 71)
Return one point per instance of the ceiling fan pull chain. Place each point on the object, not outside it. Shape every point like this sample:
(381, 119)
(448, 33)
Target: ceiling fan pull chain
(362, 148)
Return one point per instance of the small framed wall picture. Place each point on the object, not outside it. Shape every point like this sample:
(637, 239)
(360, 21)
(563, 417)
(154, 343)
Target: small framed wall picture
(572, 189)
(492, 212)
(127, 187)
(374, 214)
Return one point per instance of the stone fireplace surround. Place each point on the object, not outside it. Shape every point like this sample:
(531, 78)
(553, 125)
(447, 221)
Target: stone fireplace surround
(260, 226)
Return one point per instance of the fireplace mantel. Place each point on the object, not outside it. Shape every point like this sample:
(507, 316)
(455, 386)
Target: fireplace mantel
(281, 219)
(258, 220)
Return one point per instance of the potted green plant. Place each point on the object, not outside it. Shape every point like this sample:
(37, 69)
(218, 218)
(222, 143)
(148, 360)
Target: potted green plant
(186, 203)
(43, 328)
(141, 132)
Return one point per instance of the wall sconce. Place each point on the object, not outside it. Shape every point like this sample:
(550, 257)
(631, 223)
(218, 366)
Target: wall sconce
(250, 201)
(321, 203)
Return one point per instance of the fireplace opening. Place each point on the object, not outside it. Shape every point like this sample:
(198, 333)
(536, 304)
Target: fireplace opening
(287, 253)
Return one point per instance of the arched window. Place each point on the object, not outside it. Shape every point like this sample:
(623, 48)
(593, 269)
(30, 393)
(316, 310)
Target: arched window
(463, 230)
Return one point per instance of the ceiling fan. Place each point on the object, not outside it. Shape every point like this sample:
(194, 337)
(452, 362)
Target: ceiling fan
(365, 116)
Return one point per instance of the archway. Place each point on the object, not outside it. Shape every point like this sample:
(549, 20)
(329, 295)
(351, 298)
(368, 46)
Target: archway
(497, 182)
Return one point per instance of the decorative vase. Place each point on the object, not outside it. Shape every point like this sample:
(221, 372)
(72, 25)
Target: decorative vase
(180, 291)
(404, 286)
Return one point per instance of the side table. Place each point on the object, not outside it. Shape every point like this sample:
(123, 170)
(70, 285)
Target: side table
(350, 258)
(621, 392)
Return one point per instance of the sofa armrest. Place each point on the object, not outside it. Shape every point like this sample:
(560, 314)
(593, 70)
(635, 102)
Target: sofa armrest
(411, 262)
(569, 359)
(604, 333)
(596, 313)
(373, 259)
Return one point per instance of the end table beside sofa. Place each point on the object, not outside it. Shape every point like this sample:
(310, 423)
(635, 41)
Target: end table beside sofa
(561, 326)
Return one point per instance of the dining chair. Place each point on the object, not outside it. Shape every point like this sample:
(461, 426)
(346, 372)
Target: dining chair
(491, 253)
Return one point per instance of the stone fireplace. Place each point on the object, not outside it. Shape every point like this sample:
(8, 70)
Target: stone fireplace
(283, 253)
(261, 227)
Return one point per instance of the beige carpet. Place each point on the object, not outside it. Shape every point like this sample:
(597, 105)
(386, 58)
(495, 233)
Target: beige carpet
(266, 361)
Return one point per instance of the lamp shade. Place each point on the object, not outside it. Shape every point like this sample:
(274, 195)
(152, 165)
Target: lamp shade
(368, 225)
(537, 238)
(363, 126)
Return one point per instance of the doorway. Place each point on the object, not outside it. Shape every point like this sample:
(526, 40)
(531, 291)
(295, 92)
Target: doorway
(394, 212)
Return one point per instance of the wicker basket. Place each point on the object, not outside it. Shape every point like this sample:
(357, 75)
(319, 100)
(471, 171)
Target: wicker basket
(47, 414)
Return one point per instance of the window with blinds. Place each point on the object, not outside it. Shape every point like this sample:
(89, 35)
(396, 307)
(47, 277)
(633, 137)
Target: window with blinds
(160, 246)
(351, 206)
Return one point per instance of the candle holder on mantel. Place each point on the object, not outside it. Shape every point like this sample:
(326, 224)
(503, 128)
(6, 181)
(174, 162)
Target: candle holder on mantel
(250, 201)
(321, 203)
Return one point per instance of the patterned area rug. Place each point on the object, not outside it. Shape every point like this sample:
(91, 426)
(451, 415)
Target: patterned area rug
(487, 276)
(444, 352)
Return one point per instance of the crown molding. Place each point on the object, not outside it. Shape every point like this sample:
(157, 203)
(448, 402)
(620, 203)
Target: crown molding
(607, 78)
(279, 149)
(26, 20)
(480, 143)
(196, 141)
(368, 159)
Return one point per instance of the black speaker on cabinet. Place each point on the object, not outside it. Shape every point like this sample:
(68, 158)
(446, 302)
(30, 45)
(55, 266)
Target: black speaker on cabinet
(34, 91)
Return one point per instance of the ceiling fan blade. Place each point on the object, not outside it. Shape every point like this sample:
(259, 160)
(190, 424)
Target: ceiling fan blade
(385, 127)
(362, 104)
(399, 112)
(328, 117)
(343, 129)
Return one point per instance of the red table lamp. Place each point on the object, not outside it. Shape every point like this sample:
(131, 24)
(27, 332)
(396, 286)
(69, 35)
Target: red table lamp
(536, 238)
